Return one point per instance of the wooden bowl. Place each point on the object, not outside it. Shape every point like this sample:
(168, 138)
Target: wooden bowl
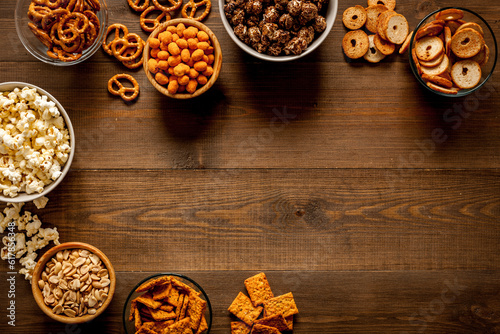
(40, 267)
(216, 65)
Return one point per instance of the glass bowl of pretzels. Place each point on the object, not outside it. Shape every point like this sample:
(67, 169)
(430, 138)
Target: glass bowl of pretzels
(453, 52)
(61, 32)
(167, 302)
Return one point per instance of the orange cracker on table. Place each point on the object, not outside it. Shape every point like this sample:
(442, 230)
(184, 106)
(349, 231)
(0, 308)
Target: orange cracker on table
(258, 289)
(244, 310)
(161, 291)
(147, 300)
(155, 282)
(195, 310)
(284, 304)
(238, 327)
(263, 329)
(277, 321)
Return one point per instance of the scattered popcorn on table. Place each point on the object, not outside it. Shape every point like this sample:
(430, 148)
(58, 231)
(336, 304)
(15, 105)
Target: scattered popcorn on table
(16, 245)
(34, 142)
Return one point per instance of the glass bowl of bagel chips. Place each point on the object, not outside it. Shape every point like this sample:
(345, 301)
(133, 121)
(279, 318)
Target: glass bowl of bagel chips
(167, 303)
(61, 32)
(453, 52)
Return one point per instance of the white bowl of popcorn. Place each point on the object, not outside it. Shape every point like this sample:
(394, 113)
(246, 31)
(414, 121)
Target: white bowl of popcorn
(36, 142)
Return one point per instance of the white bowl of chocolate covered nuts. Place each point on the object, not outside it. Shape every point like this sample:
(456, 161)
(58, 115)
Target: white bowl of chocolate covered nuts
(278, 30)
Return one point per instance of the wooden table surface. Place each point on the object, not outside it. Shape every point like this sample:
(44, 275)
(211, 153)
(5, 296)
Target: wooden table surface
(323, 173)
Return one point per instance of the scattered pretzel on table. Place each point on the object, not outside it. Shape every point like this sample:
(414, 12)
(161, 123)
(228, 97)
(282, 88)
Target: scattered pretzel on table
(176, 4)
(122, 90)
(150, 24)
(135, 5)
(118, 28)
(129, 41)
(194, 7)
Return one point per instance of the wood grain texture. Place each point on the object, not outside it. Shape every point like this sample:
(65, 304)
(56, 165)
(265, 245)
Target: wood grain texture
(328, 302)
(375, 202)
(282, 219)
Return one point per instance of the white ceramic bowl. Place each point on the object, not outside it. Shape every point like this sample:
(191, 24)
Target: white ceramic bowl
(24, 197)
(331, 14)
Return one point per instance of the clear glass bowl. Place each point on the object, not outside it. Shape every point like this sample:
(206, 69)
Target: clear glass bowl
(129, 325)
(489, 38)
(39, 50)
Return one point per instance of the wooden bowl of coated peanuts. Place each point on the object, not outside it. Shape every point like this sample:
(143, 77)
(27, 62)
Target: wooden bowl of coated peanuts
(182, 58)
(73, 283)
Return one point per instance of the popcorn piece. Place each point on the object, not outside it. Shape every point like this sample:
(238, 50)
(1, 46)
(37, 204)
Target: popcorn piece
(41, 202)
(20, 247)
(17, 245)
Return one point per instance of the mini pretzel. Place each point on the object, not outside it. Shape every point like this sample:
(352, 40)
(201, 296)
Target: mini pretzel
(150, 24)
(175, 5)
(118, 28)
(93, 19)
(120, 45)
(134, 4)
(41, 35)
(37, 13)
(52, 4)
(133, 64)
(123, 91)
(53, 17)
(81, 23)
(194, 7)
(58, 53)
(95, 4)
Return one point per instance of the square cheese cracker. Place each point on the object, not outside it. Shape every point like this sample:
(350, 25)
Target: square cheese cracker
(263, 329)
(276, 320)
(244, 310)
(238, 327)
(258, 289)
(284, 304)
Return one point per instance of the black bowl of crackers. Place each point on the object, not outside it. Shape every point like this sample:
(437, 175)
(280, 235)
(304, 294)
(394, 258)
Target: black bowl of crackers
(453, 52)
(167, 302)
(61, 32)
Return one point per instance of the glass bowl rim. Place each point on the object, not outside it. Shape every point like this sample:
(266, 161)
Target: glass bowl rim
(89, 52)
(209, 305)
(413, 67)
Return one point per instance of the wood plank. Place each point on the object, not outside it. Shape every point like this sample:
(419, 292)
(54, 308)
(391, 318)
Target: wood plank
(329, 302)
(233, 128)
(277, 219)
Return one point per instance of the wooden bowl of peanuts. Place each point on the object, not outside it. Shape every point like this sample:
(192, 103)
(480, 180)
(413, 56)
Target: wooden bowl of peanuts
(73, 282)
(182, 58)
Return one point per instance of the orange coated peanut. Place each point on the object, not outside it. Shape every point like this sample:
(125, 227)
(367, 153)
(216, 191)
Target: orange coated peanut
(181, 58)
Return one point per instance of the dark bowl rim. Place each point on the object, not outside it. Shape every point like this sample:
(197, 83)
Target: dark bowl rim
(209, 305)
(413, 67)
